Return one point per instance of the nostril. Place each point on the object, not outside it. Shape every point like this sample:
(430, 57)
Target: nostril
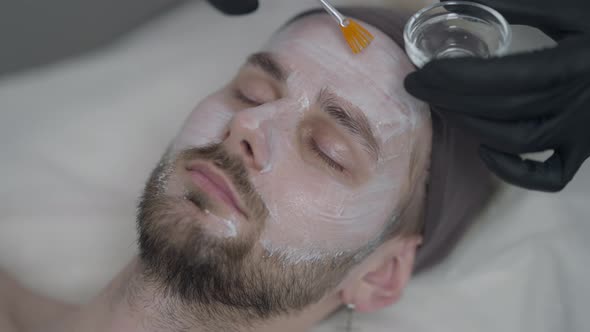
(247, 148)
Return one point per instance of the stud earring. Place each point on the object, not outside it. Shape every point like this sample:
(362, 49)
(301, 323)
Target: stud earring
(350, 307)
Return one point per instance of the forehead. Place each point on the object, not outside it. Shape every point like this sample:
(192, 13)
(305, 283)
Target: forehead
(315, 52)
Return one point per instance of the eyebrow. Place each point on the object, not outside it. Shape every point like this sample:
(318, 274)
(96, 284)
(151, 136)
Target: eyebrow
(351, 118)
(269, 64)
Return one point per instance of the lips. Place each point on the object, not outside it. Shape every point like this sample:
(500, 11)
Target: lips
(215, 184)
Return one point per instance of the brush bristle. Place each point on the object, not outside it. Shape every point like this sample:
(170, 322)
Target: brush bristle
(356, 36)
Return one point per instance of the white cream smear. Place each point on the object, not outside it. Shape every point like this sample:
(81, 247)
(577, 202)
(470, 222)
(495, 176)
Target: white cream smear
(230, 229)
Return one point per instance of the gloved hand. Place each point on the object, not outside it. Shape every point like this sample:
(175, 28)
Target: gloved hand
(522, 103)
(235, 7)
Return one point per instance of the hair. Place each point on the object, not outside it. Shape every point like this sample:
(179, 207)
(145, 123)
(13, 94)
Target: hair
(453, 189)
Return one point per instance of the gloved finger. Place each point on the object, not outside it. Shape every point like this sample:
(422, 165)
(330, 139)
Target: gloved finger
(512, 74)
(523, 106)
(512, 137)
(529, 174)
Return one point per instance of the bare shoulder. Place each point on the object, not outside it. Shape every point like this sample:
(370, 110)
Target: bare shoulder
(7, 284)
(24, 310)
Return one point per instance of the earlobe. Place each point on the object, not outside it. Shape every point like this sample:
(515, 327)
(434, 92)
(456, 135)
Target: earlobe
(383, 284)
(383, 287)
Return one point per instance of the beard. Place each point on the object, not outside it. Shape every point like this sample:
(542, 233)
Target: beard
(222, 278)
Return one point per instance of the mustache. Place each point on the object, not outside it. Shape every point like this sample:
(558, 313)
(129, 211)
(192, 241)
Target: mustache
(235, 170)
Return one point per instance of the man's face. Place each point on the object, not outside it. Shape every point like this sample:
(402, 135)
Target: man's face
(298, 163)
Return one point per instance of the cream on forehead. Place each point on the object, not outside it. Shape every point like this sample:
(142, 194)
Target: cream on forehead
(319, 30)
(379, 70)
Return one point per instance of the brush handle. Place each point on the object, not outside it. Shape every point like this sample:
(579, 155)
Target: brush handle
(334, 13)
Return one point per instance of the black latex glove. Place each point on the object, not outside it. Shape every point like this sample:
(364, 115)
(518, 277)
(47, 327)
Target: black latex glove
(522, 103)
(235, 7)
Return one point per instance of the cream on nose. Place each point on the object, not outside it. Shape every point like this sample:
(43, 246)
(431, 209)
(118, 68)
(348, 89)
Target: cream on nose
(246, 137)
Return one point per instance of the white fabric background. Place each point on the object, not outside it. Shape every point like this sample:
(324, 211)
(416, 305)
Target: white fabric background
(79, 138)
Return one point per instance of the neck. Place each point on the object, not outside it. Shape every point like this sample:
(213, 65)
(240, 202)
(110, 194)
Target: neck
(131, 304)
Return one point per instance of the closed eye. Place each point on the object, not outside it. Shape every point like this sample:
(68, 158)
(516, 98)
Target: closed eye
(240, 96)
(314, 147)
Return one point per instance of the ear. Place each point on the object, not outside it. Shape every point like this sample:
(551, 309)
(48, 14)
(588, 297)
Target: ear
(384, 275)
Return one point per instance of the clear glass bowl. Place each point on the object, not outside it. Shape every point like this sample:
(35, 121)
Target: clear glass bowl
(453, 29)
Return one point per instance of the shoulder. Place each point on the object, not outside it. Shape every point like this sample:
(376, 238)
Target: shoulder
(8, 288)
(25, 309)
(7, 322)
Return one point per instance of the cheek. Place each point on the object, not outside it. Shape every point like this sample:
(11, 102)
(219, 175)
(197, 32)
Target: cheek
(302, 207)
(205, 124)
(372, 207)
(311, 212)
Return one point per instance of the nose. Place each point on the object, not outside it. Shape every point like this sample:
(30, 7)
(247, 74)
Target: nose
(246, 137)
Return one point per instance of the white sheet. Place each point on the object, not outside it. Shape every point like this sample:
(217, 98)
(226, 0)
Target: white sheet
(79, 138)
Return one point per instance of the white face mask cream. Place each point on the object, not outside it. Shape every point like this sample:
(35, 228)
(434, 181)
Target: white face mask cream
(317, 209)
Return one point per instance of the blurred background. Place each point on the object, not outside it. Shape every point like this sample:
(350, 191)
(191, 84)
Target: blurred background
(85, 114)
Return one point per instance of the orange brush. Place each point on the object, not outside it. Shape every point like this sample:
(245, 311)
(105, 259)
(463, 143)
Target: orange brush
(357, 37)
